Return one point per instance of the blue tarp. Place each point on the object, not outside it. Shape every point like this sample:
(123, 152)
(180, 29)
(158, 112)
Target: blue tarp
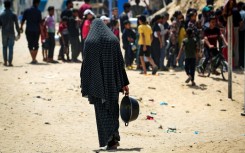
(120, 5)
(63, 6)
(42, 5)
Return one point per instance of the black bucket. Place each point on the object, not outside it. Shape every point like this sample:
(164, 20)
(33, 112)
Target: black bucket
(129, 109)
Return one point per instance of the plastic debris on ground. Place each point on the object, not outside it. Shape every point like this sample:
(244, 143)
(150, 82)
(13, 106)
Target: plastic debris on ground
(153, 113)
(163, 103)
(148, 117)
(171, 130)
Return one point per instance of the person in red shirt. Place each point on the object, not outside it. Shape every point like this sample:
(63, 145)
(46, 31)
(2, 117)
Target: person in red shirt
(84, 7)
(44, 40)
(64, 39)
(85, 27)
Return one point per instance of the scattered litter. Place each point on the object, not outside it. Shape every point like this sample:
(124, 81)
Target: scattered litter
(163, 103)
(173, 106)
(47, 123)
(219, 91)
(148, 117)
(151, 88)
(187, 112)
(49, 76)
(153, 113)
(208, 104)
(151, 100)
(139, 99)
(220, 100)
(171, 129)
(194, 93)
(223, 110)
(38, 97)
(196, 132)
(160, 127)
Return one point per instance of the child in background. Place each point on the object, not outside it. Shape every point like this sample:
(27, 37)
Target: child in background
(190, 46)
(173, 46)
(145, 39)
(115, 28)
(50, 23)
(64, 40)
(44, 40)
(128, 37)
(85, 27)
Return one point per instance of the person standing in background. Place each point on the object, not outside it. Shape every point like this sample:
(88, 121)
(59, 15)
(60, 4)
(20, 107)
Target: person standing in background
(33, 18)
(114, 16)
(84, 7)
(128, 38)
(64, 40)
(87, 21)
(73, 29)
(124, 15)
(157, 43)
(163, 35)
(44, 40)
(8, 20)
(67, 12)
(50, 24)
(241, 5)
(237, 20)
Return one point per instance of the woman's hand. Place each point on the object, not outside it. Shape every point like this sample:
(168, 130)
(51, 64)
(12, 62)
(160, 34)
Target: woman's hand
(125, 90)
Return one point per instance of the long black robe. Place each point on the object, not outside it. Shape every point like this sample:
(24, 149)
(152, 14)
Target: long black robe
(102, 78)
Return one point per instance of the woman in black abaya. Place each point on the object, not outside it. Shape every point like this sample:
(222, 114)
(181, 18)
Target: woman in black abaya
(102, 78)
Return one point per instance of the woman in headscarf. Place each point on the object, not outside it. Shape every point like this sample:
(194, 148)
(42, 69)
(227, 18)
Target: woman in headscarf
(102, 78)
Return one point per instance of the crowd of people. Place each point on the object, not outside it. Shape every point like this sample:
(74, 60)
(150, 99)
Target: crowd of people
(152, 42)
(197, 35)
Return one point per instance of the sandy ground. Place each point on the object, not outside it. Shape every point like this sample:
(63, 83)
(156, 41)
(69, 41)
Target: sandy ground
(42, 111)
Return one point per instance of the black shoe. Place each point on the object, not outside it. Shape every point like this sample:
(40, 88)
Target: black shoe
(154, 70)
(188, 79)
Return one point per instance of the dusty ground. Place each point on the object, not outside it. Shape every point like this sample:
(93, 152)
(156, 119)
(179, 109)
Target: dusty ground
(42, 111)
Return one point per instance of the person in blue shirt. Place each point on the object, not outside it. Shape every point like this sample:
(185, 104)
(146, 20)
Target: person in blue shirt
(33, 18)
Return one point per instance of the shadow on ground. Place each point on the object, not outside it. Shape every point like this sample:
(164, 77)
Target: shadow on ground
(119, 150)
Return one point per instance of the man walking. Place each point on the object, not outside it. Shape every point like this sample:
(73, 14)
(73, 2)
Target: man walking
(7, 22)
(33, 18)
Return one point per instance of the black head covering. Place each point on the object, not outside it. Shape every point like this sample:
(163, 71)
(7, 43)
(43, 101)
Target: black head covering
(102, 74)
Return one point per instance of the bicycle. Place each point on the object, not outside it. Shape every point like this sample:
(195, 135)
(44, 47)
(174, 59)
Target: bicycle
(216, 65)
